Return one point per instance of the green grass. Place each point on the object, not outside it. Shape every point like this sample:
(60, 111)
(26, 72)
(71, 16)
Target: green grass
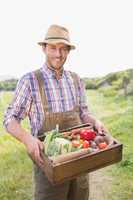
(15, 171)
(16, 167)
(117, 115)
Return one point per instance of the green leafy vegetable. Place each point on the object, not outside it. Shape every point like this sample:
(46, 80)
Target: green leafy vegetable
(47, 141)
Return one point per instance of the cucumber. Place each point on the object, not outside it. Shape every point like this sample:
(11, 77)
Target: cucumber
(47, 141)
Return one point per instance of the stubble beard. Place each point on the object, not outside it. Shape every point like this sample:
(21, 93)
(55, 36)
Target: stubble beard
(54, 65)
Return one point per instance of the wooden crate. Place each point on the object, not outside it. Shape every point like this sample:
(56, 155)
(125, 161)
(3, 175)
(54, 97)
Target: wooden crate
(60, 172)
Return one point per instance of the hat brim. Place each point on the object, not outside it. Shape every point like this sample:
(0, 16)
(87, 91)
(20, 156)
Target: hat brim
(56, 41)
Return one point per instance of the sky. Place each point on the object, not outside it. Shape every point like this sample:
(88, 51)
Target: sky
(102, 31)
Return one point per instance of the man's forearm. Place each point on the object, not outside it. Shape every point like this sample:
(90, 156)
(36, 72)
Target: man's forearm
(97, 124)
(15, 129)
(33, 145)
(89, 118)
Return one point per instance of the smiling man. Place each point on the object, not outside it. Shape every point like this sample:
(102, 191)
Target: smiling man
(48, 96)
(56, 55)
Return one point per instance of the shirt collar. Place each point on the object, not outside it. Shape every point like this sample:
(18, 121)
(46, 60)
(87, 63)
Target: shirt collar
(50, 73)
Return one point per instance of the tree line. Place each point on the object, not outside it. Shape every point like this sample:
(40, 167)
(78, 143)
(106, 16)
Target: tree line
(8, 85)
(113, 82)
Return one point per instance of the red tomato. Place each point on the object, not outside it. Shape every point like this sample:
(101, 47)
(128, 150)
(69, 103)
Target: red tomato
(102, 145)
(86, 144)
(75, 143)
(87, 134)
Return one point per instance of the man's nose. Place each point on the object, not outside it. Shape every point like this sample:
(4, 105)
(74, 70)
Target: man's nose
(58, 52)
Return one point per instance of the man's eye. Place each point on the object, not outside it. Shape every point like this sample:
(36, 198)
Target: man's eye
(64, 49)
(53, 48)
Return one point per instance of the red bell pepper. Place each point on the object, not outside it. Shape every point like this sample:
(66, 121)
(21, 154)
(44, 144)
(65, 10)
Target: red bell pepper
(87, 134)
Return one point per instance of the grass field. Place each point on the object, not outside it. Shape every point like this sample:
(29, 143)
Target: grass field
(117, 114)
(16, 167)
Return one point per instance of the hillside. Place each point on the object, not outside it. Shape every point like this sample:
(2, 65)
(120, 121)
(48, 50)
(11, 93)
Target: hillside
(121, 81)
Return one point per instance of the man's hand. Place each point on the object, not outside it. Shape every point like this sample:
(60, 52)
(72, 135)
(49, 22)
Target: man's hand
(100, 128)
(34, 148)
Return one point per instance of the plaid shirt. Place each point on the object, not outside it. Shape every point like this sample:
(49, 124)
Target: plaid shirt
(61, 97)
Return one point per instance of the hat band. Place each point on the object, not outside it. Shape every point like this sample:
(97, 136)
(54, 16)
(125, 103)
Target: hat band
(51, 38)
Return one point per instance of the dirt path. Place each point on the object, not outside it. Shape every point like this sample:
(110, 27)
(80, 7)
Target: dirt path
(100, 184)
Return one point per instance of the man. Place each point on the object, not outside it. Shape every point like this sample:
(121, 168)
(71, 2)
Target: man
(50, 96)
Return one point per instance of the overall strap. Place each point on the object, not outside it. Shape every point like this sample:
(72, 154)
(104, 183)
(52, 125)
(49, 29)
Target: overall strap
(41, 90)
(75, 80)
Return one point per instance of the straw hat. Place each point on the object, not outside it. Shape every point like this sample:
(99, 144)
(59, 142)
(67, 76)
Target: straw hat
(57, 34)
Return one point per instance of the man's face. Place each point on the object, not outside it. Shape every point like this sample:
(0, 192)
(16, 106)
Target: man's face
(56, 54)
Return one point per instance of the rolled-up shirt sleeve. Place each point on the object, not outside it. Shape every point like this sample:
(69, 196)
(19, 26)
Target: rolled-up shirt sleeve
(19, 107)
